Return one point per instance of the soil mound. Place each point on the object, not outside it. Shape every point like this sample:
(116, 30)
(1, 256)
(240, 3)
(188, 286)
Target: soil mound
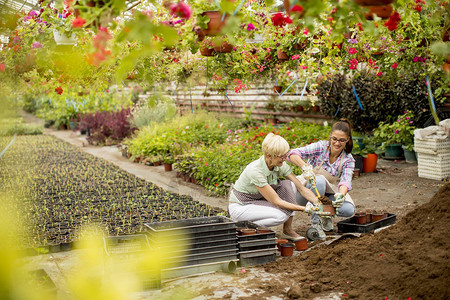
(409, 259)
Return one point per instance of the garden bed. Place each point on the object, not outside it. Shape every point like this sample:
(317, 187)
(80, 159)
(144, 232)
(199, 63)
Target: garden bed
(62, 188)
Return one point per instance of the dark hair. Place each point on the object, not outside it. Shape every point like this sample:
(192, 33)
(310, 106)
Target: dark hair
(345, 126)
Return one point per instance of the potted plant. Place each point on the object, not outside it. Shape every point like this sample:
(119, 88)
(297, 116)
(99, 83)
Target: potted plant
(405, 130)
(207, 47)
(168, 160)
(391, 142)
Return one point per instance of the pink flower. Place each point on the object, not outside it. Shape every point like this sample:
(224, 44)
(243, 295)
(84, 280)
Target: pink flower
(415, 59)
(352, 51)
(379, 73)
(410, 122)
(37, 45)
(250, 27)
(394, 66)
(181, 10)
(304, 67)
(296, 56)
(396, 131)
(305, 31)
(353, 64)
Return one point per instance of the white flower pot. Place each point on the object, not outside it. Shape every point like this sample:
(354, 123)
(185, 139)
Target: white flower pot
(62, 39)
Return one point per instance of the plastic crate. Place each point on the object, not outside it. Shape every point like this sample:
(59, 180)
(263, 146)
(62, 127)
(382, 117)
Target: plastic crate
(350, 225)
(433, 166)
(432, 146)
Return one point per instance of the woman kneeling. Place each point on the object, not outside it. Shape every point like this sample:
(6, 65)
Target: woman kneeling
(260, 197)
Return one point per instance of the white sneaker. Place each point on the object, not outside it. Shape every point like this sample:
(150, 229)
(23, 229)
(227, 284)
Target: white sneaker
(327, 224)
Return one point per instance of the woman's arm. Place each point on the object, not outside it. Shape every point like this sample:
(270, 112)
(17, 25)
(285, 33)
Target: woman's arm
(307, 193)
(270, 195)
(297, 160)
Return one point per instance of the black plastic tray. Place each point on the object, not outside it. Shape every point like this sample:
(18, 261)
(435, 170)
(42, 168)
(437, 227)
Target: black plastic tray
(258, 260)
(192, 226)
(350, 225)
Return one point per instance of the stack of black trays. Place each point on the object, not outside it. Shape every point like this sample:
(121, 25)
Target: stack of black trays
(210, 244)
(256, 249)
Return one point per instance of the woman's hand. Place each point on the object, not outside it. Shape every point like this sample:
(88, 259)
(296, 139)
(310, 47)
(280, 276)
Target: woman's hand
(339, 199)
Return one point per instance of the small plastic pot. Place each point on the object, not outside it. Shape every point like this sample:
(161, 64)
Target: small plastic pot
(301, 245)
(281, 241)
(287, 249)
(376, 216)
(248, 231)
(368, 217)
(263, 230)
(361, 218)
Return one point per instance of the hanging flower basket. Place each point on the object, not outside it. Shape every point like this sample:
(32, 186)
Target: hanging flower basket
(382, 11)
(373, 2)
(223, 47)
(215, 23)
(207, 51)
(282, 55)
(62, 39)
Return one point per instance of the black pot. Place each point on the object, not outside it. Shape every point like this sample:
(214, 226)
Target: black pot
(358, 161)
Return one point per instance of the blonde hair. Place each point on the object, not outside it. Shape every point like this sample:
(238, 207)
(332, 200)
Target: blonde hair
(274, 145)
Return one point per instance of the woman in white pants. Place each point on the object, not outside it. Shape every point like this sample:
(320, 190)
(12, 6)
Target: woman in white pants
(260, 197)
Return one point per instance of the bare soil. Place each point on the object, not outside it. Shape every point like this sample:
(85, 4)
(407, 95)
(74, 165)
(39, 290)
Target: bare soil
(410, 259)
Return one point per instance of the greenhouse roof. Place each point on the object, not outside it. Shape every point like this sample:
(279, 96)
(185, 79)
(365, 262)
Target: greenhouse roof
(13, 6)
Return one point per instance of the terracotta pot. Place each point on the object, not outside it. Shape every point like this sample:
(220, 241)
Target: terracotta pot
(263, 230)
(215, 23)
(361, 218)
(370, 163)
(301, 245)
(382, 11)
(287, 249)
(207, 51)
(329, 208)
(368, 217)
(167, 167)
(282, 55)
(377, 216)
(373, 2)
(301, 46)
(224, 47)
(277, 89)
(248, 231)
(299, 108)
(281, 241)
(156, 163)
(316, 108)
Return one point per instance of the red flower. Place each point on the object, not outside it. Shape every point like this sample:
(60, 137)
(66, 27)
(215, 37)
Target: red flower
(2, 67)
(352, 51)
(418, 8)
(279, 19)
(297, 8)
(59, 90)
(78, 22)
(393, 21)
(394, 66)
(379, 73)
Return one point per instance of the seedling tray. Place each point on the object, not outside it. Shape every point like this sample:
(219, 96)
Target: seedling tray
(350, 225)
